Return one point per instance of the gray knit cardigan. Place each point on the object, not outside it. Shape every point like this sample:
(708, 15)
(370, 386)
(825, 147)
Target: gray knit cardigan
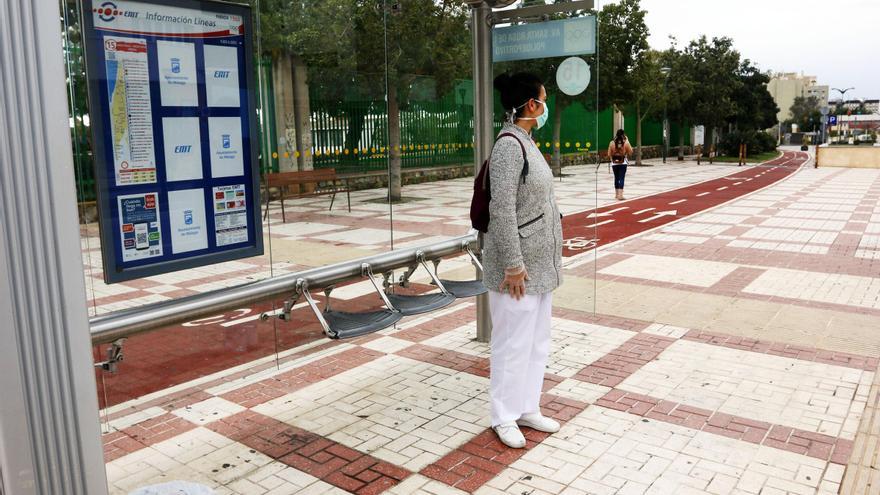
(525, 226)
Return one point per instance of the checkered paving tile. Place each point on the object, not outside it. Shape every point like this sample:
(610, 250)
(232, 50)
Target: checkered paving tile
(813, 396)
(661, 410)
(675, 401)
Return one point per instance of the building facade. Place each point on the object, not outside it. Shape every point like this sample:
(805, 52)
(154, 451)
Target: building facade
(871, 106)
(785, 87)
(820, 91)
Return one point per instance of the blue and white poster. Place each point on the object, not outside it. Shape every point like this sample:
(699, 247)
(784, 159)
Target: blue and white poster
(188, 224)
(178, 83)
(173, 117)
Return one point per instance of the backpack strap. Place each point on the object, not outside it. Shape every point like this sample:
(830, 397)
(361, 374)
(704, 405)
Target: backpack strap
(525, 169)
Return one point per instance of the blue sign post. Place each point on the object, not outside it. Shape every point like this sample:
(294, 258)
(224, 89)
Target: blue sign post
(560, 38)
(832, 120)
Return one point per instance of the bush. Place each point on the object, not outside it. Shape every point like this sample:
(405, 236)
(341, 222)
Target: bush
(765, 142)
(755, 141)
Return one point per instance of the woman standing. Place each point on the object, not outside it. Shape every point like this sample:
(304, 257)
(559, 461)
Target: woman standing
(522, 262)
(619, 150)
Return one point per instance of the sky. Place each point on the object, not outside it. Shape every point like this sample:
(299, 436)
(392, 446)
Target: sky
(835, 41)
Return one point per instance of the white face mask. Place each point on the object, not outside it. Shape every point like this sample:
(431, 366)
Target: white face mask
(540, 119)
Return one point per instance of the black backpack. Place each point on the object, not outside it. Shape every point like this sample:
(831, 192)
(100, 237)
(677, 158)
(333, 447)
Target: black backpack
(483, 193)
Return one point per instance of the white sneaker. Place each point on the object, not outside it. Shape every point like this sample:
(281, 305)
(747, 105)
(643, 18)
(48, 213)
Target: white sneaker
(510, 435)
(538, 422)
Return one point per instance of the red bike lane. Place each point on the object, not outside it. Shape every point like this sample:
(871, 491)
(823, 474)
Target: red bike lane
(587, 230)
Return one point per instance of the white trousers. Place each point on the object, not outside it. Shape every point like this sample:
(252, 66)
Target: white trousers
(520, 346)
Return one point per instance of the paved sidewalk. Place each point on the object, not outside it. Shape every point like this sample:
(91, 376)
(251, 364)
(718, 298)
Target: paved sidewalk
(734, 351)
(314, 236)
(433, 211)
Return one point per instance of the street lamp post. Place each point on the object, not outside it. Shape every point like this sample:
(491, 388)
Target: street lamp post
(839, 109)
(665, 71)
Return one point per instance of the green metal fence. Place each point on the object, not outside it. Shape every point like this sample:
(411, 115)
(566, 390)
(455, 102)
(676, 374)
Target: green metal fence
(352, 136)
(578, 131)
(652, 131)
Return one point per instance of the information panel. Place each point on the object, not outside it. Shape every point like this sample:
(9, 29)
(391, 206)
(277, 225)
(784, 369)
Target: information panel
(561, 38)
(173, 118)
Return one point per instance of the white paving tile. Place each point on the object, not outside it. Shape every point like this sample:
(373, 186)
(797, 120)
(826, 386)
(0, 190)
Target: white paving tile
(208, 411)
(134, 418)
(396, 409)
(666, 330)
(579, 391)
(833, 288)
(204, 457)
(673, 270)
(815, 397)
(603, 451)
(388, 345)
(365, 236)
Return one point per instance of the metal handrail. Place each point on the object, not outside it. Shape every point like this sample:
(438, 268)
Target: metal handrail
(122, 324)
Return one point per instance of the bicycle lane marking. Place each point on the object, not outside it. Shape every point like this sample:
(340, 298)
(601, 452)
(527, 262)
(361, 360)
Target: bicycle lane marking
(580, 233)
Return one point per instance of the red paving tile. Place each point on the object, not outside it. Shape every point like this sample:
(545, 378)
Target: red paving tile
(174, 355)
(300, 377)
(766, 258)
(446, 358)
(732, 289)
(332, 462)
(425, 331)
(170, 356)
(737, 280)
(601, 319)
(479, 460)
(613, 368)
(786, 350)
(817, 445)
(483, 457)
(143, 435)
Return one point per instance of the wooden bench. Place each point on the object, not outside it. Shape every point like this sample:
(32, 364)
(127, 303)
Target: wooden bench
(325, 181)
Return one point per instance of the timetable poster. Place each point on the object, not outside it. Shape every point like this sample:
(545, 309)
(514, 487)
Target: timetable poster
(173, 117)
(230, 214)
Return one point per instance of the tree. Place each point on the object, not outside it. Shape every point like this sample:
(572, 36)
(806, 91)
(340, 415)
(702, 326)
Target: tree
(679, 90)
(374, 52)
(424, 38)
(649, 95)
(805, 113)
(754, 106)
(623, 39)
(716, 64)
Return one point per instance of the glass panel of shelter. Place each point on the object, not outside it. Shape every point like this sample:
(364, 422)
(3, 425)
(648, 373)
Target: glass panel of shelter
(577, 130)
(371, 112)
(322, 139)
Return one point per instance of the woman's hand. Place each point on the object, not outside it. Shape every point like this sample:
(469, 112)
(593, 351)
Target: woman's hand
(515, 282)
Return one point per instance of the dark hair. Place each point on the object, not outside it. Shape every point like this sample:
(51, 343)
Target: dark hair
(620, 138)
(516, 90)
